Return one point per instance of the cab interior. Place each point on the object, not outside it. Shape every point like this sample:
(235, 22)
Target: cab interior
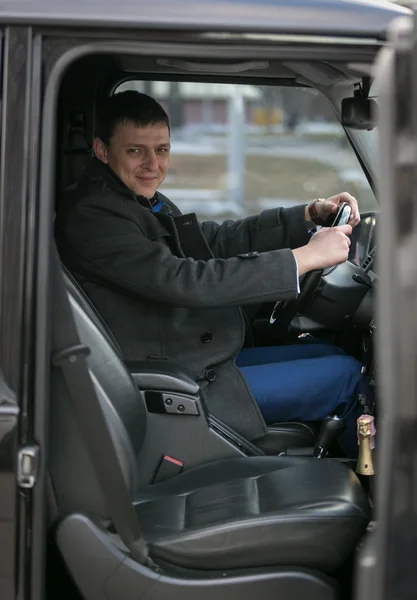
(248, 515)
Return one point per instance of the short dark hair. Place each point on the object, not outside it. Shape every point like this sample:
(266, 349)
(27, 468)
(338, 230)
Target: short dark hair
(128, 107)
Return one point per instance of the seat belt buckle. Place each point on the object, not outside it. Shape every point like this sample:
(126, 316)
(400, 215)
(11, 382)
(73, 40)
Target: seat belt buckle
(70, 354)
(168, 467)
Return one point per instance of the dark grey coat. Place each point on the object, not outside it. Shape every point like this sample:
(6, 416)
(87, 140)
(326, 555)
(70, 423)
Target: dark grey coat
(170, 286)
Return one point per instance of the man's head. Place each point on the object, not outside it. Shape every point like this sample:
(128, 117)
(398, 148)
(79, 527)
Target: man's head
(133, 139)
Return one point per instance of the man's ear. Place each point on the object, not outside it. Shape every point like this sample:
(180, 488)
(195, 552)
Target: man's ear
(100, 150)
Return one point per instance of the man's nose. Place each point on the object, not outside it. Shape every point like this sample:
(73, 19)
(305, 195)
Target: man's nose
(151, 160)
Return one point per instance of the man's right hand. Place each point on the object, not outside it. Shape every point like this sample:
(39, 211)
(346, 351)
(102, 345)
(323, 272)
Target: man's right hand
(326, 248)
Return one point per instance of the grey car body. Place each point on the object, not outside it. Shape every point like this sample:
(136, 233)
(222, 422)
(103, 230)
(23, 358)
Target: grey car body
(39, 41)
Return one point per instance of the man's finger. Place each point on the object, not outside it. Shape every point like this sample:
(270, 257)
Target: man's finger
(346, 197)
(355, 219)
(346, 229)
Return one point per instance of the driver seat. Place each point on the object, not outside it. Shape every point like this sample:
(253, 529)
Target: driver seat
(237, 528)
(277, 438)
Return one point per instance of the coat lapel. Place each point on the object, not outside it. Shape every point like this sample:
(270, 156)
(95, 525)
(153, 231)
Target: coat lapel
(192, 241)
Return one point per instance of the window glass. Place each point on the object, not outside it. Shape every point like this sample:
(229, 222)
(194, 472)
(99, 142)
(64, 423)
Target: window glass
(240, 149)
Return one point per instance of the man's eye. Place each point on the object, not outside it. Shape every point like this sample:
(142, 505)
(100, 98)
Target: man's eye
(163, 150)
(133, 151)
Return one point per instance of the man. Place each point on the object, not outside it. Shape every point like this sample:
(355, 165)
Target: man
(169, 286)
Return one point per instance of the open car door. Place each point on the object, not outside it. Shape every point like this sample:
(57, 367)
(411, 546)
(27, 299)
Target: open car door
(19, 451)
(9, 413)
(387, 565)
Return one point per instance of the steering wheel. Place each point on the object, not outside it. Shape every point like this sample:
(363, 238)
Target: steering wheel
(285, 310)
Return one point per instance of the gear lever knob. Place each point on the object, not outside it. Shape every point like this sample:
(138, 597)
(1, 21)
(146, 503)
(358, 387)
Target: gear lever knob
(330, 429)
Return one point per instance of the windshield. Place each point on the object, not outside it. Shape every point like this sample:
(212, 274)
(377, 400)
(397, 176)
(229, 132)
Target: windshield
(240, 149)
(367, 142)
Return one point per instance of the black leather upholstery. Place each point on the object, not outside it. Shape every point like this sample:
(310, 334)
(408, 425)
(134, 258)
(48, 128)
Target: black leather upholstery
(163, 376)
(282, 436)
(75, 290)
(279, 436)
(256, 512)
(243, 512)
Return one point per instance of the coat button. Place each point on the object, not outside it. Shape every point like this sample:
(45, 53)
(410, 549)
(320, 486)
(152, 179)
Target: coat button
(206, 337)
(210, 375)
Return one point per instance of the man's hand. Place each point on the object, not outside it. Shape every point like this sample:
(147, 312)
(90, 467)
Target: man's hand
(331, 205)
(326, 248)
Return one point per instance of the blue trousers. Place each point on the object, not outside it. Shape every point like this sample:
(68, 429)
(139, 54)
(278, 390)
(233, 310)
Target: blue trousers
(307, 382)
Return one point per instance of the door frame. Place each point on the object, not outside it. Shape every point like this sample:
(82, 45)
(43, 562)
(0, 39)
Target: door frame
(387, 561)
(18, 194)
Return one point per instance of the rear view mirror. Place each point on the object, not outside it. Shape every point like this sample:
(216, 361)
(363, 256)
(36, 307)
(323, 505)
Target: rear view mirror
(359, 112)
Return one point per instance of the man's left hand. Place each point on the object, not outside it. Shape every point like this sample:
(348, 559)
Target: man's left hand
(330, 206)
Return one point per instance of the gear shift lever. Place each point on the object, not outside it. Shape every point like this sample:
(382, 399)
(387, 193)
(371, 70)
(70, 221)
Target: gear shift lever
(330, 429)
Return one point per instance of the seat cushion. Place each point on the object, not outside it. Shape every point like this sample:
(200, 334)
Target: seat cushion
(253, 512)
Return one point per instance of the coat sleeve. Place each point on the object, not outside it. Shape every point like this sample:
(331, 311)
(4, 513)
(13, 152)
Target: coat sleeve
(271, 230)
(101, 242)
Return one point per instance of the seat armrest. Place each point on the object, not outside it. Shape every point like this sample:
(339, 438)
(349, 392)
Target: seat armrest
(280, 437)
(163, 376)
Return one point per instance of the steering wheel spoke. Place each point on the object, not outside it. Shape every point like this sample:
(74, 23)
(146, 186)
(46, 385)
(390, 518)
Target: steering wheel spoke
(285, 310)
(278, 308)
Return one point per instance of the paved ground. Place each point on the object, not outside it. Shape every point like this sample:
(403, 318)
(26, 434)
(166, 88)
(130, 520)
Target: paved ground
(331, 153)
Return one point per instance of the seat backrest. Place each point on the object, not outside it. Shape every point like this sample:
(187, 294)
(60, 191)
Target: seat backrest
(76, 291)
(72, 476)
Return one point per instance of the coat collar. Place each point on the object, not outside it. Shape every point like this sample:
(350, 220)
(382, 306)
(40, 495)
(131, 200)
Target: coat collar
(98, 172)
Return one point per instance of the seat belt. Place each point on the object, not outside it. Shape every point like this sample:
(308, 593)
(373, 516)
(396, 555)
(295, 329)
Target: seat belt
(69, 354)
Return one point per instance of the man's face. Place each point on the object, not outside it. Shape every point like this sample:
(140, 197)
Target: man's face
(138, 155)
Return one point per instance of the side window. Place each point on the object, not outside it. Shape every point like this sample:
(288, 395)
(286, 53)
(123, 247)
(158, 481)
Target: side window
(240, 149)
